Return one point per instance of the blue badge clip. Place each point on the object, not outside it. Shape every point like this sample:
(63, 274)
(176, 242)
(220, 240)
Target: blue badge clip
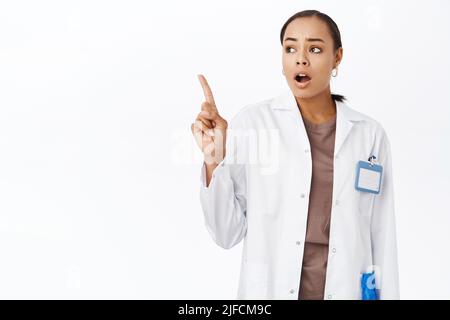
(368, 289)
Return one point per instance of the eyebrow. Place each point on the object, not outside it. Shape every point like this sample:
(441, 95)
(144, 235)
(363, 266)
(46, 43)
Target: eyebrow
(307, 39)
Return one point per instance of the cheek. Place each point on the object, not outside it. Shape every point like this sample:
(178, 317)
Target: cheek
(322, 80)
(287, 60)
(288, 66)
(322, 69)
(320, 61)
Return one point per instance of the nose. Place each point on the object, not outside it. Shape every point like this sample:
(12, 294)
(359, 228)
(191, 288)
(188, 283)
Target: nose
(301, 59)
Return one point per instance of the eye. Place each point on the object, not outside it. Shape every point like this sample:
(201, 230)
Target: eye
(318, 50)
(288, 48)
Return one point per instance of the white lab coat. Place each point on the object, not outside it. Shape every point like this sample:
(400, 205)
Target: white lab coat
(262, 197)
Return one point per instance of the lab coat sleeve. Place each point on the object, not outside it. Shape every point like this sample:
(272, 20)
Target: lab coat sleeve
(224, 201)
(383, 229)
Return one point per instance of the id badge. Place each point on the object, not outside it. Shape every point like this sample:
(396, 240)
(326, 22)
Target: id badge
(368, 177)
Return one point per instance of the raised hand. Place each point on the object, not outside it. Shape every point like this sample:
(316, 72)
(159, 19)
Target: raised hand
(209, 128)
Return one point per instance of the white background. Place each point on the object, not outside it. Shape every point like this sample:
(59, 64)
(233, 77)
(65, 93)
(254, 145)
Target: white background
(99, 173)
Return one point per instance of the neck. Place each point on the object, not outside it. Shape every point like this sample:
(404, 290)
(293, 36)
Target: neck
(319, 108)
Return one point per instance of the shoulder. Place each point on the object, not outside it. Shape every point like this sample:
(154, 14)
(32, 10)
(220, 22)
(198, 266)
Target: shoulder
(286, 101)
(251, 111)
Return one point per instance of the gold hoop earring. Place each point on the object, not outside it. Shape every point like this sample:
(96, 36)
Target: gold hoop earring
(335, 74)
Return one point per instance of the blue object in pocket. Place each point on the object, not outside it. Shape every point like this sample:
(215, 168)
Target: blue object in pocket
(368, 289)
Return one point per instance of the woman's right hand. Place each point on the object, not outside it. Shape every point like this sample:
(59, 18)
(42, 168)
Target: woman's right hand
(209, 128)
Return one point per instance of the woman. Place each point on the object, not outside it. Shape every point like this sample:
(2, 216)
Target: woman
(319, 223)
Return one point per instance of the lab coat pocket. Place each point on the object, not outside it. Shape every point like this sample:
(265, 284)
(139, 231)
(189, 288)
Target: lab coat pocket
(256, 279)
(267, 193)
(366, 200)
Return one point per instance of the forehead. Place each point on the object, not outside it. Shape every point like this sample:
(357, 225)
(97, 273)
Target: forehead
(308, 27)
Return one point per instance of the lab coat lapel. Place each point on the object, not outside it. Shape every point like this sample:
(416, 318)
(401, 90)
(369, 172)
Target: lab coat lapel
(343, 127)
(287, 103)
(345, 118)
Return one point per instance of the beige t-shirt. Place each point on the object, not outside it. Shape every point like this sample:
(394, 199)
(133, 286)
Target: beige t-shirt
(321, 138)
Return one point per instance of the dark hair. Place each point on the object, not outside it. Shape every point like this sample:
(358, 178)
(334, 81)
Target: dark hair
(332, 27)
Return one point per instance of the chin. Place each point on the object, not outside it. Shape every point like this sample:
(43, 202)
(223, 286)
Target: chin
(306, 93)
(303, 93)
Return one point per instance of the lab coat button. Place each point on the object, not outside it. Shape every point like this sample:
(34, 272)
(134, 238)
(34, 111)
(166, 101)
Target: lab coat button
(306, 150)
(302, 195)
(333, 250)
(330, 297)
(298, 243)
(292, 291)
(336, 202)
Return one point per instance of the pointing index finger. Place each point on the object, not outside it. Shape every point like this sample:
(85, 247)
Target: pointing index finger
(206, 90)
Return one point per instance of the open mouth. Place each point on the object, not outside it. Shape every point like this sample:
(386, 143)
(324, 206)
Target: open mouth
(302, 78)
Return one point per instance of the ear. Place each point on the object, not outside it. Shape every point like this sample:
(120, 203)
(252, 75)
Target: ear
(338, 57)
